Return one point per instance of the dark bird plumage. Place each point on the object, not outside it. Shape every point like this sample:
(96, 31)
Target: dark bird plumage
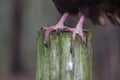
(91, 9)
(98, 11)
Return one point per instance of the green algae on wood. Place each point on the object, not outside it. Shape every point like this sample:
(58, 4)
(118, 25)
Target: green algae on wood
(52, 60)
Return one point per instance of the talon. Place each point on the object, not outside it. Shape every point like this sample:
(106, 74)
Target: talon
(72, 41)
(83, 38)
(58, 31)
(47, 33)
(58, 27)
(78, 30)
(84, 41)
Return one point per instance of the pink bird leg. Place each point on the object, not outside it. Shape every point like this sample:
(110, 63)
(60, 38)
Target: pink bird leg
(78, 30)
(58, 27)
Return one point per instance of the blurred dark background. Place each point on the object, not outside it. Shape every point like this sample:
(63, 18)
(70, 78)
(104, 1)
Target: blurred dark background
(19, 22)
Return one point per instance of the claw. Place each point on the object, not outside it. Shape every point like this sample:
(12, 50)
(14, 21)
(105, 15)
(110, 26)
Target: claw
(72, 42)
(47, 33)
(58, 31)
(78, 30)
(83, 38)
(58, 27)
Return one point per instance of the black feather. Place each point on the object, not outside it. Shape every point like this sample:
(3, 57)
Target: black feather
(92, 9)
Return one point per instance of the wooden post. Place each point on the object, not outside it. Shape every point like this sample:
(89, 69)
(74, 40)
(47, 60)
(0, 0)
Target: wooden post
(52, 60)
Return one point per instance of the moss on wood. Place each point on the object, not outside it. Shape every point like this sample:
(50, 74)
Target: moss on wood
(53, 59)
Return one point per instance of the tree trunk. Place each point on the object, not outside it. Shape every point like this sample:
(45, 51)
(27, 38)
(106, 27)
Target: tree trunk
(52, 60)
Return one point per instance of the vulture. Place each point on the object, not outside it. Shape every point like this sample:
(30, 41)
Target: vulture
(95, 10)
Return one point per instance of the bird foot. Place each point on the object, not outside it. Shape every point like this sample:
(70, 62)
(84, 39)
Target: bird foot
(80, 34)
(57, 28)
(78, 30)
(60, 27)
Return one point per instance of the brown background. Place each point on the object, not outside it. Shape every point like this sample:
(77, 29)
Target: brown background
(19, 22)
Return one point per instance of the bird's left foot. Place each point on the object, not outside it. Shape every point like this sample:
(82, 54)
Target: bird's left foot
(78, 30)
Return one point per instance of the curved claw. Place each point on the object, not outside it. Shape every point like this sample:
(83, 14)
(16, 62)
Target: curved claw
(47, 33)
(58, 29)
(78, 30)
(83, 38)
(73, 39)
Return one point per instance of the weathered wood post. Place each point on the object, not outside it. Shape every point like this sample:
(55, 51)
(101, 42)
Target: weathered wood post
(53, 59)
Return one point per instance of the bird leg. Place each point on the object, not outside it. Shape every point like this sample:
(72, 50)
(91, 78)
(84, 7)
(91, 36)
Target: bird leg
(78, 30)
(58, 27)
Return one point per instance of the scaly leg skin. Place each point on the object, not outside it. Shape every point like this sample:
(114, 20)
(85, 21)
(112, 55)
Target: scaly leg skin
(58, 27)
(78, 30)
